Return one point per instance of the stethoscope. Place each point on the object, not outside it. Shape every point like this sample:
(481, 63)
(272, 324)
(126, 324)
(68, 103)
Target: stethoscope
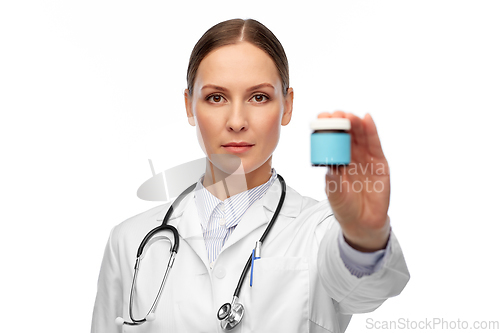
(229, 314)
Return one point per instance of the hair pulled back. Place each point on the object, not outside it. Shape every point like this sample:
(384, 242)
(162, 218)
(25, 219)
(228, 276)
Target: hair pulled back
(234, 31)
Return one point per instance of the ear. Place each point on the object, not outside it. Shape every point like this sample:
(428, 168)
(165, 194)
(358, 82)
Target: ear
(287, 113)
(188, 101)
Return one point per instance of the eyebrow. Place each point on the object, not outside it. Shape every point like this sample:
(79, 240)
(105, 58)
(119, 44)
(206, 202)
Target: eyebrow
(262, 85)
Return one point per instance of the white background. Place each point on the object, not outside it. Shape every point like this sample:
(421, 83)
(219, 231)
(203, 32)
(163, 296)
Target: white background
(90, 90)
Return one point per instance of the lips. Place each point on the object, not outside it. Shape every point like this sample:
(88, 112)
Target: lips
(238, 147)
(238, 144)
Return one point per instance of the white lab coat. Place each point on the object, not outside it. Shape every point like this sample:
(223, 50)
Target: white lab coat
(300, 284)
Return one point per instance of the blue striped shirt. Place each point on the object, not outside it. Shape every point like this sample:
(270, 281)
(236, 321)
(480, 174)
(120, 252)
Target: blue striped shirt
(219, 218)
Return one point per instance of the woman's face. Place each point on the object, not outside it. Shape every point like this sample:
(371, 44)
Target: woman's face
(237, 97)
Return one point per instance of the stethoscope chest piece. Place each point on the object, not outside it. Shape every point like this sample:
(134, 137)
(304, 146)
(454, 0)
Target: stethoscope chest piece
(230, 315)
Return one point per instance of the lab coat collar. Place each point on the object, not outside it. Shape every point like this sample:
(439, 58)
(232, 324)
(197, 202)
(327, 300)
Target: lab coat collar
(262, 211)
(185, 218)
(292, 204)
(291, 207)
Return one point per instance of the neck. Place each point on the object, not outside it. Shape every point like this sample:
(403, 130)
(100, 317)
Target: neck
(223, 185)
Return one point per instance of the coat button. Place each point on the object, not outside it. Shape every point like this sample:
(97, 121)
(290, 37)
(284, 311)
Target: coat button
(220, 272)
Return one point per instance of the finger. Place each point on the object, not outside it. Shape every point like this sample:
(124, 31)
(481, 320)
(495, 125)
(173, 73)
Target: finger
(337, 174)
(334, 171)
(336, 114)
(358, 135)
(373, 141)
(358, 139)
(336, 183)
(339, 114)
(324, 115)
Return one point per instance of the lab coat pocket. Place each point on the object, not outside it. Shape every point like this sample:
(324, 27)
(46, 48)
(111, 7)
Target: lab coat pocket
(278, 300)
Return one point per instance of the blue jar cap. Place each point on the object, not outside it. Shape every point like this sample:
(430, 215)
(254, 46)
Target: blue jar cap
(342, 124)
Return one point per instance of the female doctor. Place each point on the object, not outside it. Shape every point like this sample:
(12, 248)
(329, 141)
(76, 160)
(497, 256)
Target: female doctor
(320, 262)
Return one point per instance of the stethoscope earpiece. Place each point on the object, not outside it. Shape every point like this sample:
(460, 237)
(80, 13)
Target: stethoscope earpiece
(119, 321)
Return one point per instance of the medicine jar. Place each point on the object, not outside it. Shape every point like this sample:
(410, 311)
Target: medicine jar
(330, 141)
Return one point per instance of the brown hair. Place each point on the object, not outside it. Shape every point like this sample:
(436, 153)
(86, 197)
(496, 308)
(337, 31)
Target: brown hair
(231, 32)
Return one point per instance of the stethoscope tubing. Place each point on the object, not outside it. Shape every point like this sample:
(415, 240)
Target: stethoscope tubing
(175, 247)
(262, 238)
(164, 225)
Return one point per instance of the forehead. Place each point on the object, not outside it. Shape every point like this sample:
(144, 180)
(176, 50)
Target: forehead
(237, 65)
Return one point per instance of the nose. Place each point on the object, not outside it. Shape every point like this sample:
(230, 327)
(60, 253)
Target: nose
(237, 120)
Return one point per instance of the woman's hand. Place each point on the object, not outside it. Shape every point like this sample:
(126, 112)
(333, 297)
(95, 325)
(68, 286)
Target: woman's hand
(359, 192)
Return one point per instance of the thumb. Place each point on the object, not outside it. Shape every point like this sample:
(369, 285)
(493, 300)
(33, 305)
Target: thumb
(336, 184)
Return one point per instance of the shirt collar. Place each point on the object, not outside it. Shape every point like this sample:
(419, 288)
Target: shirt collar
(232, 208)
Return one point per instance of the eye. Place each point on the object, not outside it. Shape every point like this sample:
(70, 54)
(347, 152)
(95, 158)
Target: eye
(260, 98)
(216, 98)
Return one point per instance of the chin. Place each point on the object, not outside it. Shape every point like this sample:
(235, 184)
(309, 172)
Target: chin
(227, 163)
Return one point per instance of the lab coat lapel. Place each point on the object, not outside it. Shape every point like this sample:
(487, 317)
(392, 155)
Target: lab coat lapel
(261, 212)
(187, 223)
(253, 218)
